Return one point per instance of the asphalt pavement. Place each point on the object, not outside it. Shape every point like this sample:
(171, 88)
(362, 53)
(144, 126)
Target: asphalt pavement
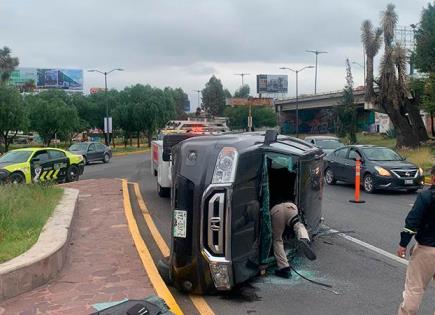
(363, 282)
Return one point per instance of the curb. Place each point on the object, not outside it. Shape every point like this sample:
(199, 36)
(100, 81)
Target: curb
(131, 152)
(43, 261)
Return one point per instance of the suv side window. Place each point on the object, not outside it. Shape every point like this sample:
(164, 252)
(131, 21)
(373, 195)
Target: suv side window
(91, 148)
(55, 154)
(341, 153)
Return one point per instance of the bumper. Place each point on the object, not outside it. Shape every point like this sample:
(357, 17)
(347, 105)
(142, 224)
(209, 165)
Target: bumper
(4, 176)
(394, 183)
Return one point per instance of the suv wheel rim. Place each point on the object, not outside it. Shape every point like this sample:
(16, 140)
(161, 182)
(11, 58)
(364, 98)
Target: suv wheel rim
(106, 158)
(368, 183)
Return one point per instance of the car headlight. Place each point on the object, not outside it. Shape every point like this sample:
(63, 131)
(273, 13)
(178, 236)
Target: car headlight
(420, 170)
(225, 169)
(382, 171)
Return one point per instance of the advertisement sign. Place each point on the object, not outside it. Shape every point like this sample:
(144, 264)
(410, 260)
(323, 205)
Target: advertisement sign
(67, 79)
(250, 101)
(186, 106)
(272, 83)
(21, 76)
(94, 90)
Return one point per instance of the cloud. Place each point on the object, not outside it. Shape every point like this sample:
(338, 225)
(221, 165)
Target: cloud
(181, 43)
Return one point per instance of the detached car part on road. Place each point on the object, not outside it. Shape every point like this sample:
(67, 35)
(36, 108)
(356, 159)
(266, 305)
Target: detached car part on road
(381, 168)
(39, 165)
(222, 192)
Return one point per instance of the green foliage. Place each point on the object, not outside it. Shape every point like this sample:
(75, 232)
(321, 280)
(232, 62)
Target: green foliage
(429, 93)
(391, 134)
(51, 116)
(7, 64)
(227, 93)
(12, 114)
(261, 117)
(24, 210)
(425, 40)
(243, 91)
(213, 97)
(180, 98)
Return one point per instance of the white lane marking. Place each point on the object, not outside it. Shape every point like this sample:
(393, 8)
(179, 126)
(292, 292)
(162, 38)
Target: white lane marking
(371, 247)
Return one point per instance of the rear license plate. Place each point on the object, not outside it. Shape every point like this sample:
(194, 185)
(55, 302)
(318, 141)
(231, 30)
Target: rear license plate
(180, 223)
(409, 182)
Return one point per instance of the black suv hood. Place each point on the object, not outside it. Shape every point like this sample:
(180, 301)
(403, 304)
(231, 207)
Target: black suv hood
(395, 164)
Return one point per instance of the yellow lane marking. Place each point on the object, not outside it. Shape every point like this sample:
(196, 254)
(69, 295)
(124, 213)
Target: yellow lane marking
(150, 222)
(147, 261)
(198, 301)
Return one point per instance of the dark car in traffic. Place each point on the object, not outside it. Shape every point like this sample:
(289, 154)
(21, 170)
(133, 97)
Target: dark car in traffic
(92, 151)
(327, 143)
(381, 168)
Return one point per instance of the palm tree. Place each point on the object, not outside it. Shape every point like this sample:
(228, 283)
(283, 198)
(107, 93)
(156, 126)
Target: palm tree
(393, 92)
(371, 39)
(7, 64)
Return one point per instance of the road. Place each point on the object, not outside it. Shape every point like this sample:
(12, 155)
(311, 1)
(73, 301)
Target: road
(363, 282)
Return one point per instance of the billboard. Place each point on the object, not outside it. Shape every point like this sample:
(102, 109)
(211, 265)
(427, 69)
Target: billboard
(67, 79)
(272, 83)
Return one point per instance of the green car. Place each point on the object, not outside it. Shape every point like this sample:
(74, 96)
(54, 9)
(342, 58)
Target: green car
(33, 165)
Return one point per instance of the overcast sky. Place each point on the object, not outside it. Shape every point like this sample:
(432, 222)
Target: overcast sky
(182, 43)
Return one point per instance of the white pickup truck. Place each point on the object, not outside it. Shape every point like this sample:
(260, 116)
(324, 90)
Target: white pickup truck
(161, 169)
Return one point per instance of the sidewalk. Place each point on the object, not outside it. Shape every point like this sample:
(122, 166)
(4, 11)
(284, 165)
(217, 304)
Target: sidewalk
(102, 263)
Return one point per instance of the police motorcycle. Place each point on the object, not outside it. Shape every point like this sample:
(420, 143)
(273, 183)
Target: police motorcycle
(223, 188)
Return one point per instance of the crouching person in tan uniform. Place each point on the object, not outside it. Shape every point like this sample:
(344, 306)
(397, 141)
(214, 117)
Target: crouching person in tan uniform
(286, 215)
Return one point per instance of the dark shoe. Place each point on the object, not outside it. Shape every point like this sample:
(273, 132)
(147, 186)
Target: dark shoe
(283, 273)
(307, 250)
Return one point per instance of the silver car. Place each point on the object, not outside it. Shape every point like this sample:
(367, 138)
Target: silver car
(326, 143)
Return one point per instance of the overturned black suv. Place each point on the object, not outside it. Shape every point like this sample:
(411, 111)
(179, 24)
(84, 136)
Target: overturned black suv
(223, 188)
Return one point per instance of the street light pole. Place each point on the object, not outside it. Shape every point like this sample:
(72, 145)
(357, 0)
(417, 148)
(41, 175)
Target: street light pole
(198, 91)
(242, 75)
(316, 52)
(106, 119)
(297, 93)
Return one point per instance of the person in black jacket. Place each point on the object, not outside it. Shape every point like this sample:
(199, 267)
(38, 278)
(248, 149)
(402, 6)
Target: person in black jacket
(420, 223)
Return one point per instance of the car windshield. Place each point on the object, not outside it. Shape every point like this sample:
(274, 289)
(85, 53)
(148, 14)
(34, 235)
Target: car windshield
(15, 157)
(329, 144)
(78, 147)
(381, 154)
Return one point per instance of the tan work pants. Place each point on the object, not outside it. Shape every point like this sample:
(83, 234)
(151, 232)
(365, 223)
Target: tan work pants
(282, 215)
(421, 270)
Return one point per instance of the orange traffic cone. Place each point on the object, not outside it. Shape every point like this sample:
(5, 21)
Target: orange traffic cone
(357, 182)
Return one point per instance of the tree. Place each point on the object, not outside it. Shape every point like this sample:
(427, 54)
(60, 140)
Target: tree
(12, 114)
(261, 117)
(7, 64)
(371, 39)
(425, 41)
(52, 117)
(393, 83)
(180, 99)
(242, 91)
(227, 93)
(429, 98)
(346, 113)
(213, 97)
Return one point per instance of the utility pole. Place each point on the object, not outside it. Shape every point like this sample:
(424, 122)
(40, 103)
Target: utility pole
(106, 119)
(242, 75)
(198, 91)
(297, 93)
(316, 52)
